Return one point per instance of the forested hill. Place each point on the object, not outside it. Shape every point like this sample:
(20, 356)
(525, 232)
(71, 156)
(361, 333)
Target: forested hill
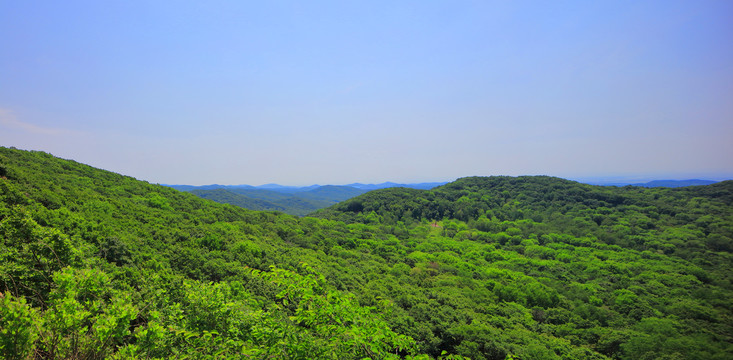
(614, 256)
(95, 265)
(98, 265)
(658, 219)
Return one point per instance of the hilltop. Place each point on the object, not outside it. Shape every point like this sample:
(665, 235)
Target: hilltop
(99, 265)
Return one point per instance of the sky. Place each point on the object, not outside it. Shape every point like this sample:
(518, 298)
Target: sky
(321, 92)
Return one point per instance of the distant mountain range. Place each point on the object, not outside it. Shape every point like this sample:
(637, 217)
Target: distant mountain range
(292, 200)
(656, 183)
(303, 200)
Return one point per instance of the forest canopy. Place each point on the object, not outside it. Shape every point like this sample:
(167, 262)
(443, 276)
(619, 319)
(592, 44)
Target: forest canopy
(94, 264)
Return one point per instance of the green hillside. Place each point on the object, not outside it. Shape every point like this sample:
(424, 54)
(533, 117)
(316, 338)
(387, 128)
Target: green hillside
(287, 204)
(98, 265)
(301, 202)
(225, 196)
(332, 193)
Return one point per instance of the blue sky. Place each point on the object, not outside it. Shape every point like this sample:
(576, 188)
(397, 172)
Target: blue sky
(297, 93)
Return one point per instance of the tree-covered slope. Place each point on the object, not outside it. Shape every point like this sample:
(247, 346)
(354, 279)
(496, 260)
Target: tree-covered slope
(297, 201)
(225, 196)
(627, 272)
(98, 265)
(659, 219)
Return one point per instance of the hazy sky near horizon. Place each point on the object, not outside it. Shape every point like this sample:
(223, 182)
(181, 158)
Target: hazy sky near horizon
(297, 93)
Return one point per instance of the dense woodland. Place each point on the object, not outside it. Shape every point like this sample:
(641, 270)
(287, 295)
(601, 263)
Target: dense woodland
(98, 265)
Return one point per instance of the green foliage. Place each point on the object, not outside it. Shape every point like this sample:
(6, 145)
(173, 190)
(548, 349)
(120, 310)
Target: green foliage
(18, 327)
(31, 254)
(86, 317)
(97, 265)
(343, 326)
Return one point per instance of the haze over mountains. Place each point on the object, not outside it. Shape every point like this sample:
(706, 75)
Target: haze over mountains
(304, 200)
(295, 189)
(651, 183)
